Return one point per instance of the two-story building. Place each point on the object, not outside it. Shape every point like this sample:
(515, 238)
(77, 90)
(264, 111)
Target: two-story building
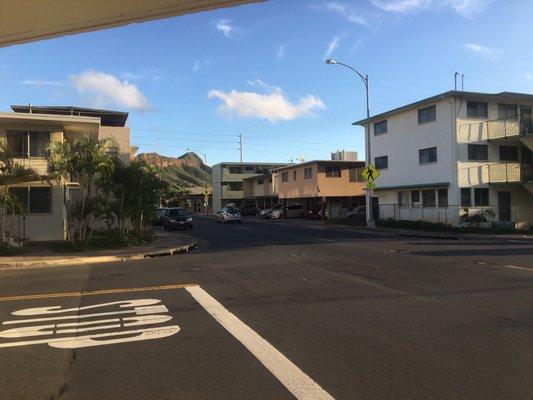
(338, 185)
(260, 190)
(227, 181)
(454, 155)
(27, 132)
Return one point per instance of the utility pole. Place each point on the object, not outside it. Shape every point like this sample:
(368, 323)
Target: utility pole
(241, 142)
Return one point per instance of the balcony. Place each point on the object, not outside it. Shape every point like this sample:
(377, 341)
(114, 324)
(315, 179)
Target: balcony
(232, 194)
(508, 172)
(509, 127)
(39, 164)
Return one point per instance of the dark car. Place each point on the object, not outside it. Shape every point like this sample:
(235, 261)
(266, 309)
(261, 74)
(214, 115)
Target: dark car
(159, 217)
(177, 217)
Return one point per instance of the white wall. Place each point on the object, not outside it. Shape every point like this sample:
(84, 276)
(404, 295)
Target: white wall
(405, 137)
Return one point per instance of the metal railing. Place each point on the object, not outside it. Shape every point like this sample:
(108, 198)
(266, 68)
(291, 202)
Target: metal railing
(14, 228)
(479, 216)
(502, 172)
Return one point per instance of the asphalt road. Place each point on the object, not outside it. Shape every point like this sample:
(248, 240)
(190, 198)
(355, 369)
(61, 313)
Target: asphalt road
(310, 312)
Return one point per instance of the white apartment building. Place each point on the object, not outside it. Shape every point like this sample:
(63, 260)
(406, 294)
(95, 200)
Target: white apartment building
(27, 132)
(458, 154)
(227, 181)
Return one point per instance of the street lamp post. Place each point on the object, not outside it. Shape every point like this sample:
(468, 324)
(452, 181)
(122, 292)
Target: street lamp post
(369, 215)
(205, 163)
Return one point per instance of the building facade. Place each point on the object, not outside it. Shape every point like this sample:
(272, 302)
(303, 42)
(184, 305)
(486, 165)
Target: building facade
(261, 191)
(456, 158)
(227, 181)
(27, 132)
(336, 185)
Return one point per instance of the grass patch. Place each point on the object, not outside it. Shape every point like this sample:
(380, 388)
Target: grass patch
(105, 241)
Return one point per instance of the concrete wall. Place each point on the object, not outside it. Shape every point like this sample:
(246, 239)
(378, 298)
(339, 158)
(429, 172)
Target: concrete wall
(121, 135)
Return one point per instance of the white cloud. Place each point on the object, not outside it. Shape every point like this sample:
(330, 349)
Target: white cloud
(272, 106)
(282, 51)
(201, 64)
(225, 26)
(485, 51)
(106, 89)
(529, 76)
(148, 75)
(349, 13)
(332, 46)
(466, 8)
(41, 82)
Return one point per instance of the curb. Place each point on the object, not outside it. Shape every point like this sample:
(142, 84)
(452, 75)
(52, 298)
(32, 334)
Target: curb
(168, 251)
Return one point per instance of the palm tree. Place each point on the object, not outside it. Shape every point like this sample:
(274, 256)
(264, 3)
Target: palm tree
(83, 160)
(11, 174)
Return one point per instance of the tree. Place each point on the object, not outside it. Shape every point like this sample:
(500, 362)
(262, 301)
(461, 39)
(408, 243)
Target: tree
(83, 160)
(12, 173)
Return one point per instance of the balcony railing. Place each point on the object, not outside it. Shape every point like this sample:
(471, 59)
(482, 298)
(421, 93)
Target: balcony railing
(509, 127)
(232, 194)
(503, 172)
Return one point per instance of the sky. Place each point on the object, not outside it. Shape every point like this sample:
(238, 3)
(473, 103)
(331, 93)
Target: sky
(200, 80)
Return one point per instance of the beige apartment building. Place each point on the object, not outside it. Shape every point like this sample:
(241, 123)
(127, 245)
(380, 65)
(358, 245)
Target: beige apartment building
(337, 184)
(260, 190)
(456, 155)
(27, 131)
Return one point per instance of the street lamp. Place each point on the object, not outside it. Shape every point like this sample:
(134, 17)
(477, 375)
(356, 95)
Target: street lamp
(369, 215)
(205, 163)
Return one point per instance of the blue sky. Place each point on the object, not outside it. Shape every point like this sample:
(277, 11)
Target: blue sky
(200, 80)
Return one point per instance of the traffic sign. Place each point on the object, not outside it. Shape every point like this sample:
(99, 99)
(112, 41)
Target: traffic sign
(370, 173)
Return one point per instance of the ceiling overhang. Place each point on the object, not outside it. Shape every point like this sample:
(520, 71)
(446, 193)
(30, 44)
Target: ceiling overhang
(30, 20)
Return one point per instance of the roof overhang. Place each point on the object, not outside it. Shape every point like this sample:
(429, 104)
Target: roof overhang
(340, 163)
(29, 20)
(39, 121)
(417, 186)
(504, 97)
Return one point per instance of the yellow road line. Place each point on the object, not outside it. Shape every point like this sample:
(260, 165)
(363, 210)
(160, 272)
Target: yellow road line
(95, 292)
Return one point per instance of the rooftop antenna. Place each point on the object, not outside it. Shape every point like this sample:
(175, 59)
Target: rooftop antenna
(462, 82)
(455, 80)
(241, 140)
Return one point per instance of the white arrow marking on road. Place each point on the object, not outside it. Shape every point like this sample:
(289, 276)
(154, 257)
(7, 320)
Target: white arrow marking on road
(294, 379)
(58, 309)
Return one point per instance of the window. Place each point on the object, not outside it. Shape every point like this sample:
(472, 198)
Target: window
(333, 172)
(466, 197)
(355, 174)
(428, 198)
(40, 200)
(380, 127)
(308, 173)
(21, 194)
(427, 156)
(415, 197)
(403, 198)
(234, 186)
(382, 162)
(478, 152)
(481, 197)
(17, 142)
(508, 153)
(249, 169)
(507, 110)
(428, 114)
(285, 177)
(295, 174)
(260, 181)
(39, 143)
(235, 170)
(476, 109)
(442, 196)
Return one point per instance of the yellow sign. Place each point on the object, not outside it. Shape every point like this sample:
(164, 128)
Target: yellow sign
(370, 174)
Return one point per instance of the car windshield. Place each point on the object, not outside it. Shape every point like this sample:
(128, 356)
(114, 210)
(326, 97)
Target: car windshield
(160, 212)
(177, 212)
(231, 210)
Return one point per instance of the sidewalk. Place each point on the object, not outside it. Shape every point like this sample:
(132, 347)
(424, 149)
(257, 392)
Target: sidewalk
(297, 222)
(164, 244)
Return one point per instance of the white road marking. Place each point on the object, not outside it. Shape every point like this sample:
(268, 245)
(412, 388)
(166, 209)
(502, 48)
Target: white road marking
(517, 267)
(117, 328)
(294, 379)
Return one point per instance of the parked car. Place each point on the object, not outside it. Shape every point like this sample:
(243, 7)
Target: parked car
(357, 214)
(229, 214)
(177, 217)
(159, 218)
(267, 213)
(289, 211)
